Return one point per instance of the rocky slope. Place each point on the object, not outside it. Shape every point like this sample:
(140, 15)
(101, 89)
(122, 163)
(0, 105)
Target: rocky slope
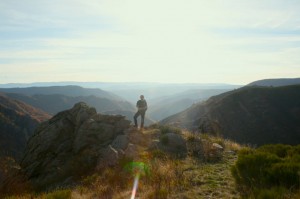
(17, 123)
(253, 115)
(68, 145)
(79, 141)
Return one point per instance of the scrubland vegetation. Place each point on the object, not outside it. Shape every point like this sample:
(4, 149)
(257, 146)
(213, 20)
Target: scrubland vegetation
(270, 171)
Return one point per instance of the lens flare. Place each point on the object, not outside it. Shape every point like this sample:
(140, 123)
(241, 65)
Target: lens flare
(137, 169)
(135, 186)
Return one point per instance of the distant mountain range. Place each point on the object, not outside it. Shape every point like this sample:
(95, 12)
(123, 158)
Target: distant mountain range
(69, 90)
(57, 98)
(55, 103)
(256, 115)
(276, 82)
(53, 99)
(127, 90)
(17, 123)
(153, 92)
(123, 85)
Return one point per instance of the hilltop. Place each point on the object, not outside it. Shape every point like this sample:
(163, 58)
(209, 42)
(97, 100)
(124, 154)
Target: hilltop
(275, 82)
(93, 155)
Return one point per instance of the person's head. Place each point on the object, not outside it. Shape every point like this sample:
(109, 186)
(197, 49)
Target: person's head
(142, 97)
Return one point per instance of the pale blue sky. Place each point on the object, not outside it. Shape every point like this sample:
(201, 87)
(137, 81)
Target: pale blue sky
(194, 41)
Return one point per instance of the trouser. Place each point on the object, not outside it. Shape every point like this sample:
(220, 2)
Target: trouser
(142, 114)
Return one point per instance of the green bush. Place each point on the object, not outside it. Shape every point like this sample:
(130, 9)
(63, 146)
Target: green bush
(278, 149)
(273, 193)
(268, 167)
(253, 169)
(164, 139)
(285, 174)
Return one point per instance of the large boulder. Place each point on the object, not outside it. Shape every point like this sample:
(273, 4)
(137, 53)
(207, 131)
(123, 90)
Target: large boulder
(173, 143)
(69, 145)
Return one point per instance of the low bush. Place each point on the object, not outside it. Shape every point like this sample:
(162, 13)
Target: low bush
(164, 139)
(275, 192)
(268, 167)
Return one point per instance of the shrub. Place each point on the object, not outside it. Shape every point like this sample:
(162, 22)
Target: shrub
(252, 169)
(164, 139)
(268, 167)
(273, 193)
(278, 149)
(285, 174)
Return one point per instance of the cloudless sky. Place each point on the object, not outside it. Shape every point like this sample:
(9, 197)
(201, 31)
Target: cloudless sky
(178, 41)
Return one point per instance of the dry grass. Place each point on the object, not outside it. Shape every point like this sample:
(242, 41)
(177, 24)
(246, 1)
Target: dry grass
(164, 177)
(168, 177)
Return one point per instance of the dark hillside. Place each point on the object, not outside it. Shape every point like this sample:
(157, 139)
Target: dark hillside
(255, 115)
(17, 123)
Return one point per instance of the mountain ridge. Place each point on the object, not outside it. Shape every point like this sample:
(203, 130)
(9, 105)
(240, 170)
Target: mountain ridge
(256, 115)
(275, 82)
(68, 90)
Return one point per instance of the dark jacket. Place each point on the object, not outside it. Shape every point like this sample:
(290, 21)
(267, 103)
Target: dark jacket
(141, 105)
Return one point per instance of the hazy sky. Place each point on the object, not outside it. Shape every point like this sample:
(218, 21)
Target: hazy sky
(195, 41)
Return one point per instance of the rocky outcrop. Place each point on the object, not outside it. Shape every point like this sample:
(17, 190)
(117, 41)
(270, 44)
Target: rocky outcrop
(69, 145)
(78, 142)
(173, 143)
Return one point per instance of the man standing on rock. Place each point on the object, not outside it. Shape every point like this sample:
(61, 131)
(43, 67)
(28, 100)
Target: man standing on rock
(142, 107)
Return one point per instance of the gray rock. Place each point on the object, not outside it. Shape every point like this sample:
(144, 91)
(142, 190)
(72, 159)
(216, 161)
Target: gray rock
(121, 142)
(107, 157)
(69, 145)
(174, 144)
(217, 151)
(217, 147)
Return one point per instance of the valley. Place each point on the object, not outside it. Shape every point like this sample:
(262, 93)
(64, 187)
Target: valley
(81, 140)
